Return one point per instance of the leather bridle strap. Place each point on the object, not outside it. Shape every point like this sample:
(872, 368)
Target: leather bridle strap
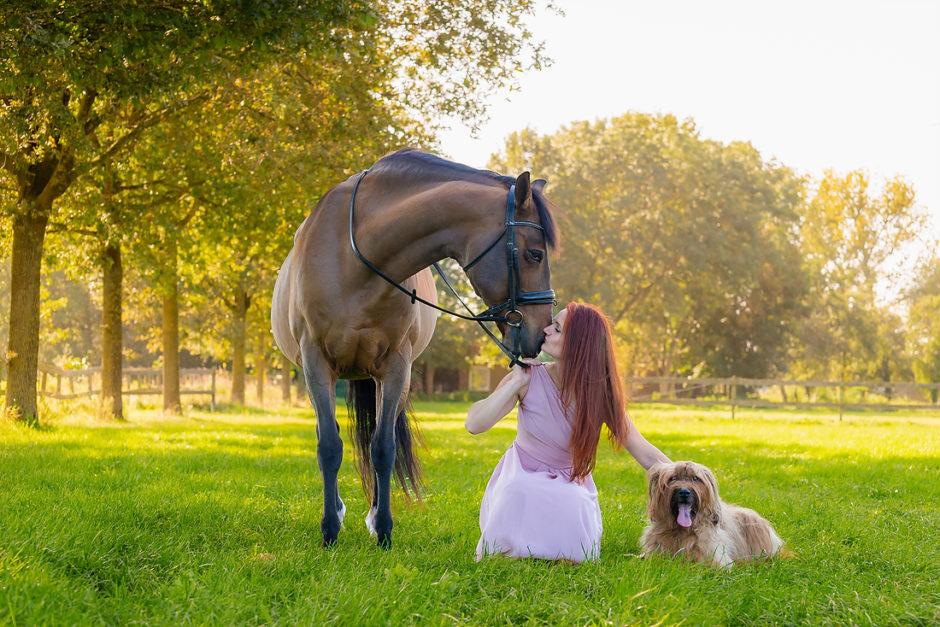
(516, 298)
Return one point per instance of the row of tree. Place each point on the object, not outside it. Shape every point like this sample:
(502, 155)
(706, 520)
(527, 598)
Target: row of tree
(192, 138)
(157, 157)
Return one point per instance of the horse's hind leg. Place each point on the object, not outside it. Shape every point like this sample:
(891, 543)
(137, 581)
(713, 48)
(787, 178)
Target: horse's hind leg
(388, 395)
(321, 388)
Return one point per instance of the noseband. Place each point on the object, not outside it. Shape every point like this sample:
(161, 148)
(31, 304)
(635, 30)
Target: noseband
(517, 298)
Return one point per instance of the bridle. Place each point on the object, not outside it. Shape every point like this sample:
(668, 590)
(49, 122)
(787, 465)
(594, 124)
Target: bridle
(517, 298)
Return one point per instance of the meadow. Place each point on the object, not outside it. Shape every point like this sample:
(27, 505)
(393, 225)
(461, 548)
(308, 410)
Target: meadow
(213, 518)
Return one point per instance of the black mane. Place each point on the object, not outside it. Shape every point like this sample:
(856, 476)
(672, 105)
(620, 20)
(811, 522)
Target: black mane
(423, 164)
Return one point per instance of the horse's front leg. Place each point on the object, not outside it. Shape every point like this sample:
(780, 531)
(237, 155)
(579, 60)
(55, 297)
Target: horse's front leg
(321, 386)
(388, 396)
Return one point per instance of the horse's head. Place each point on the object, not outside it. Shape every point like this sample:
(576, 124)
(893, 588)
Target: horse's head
(517, 284)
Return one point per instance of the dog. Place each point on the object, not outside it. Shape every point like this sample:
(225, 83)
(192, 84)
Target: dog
(686, 517)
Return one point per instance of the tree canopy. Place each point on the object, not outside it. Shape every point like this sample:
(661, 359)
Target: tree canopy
(83, 85)
(686, 243)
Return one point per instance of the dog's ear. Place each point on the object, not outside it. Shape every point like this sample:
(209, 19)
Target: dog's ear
(713, 485)
(653, 475)
(711, 480)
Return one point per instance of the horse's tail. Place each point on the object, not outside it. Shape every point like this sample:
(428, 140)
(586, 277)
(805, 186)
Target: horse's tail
(360, 404)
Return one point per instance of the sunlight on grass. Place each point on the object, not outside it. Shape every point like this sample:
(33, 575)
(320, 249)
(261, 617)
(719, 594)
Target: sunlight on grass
(214, 518)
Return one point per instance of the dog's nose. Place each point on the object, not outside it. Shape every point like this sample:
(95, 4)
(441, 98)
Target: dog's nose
(684, 495)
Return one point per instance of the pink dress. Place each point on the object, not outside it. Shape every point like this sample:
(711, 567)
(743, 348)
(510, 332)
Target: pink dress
(530, 508)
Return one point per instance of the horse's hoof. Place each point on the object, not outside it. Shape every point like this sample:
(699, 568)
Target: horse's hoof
(385, 542)
(329, 531)
(370, 521)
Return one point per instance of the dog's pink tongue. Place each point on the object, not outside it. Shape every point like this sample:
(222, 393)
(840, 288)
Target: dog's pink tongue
(684, 518)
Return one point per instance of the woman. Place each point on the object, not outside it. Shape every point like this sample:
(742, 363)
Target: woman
(541, 500)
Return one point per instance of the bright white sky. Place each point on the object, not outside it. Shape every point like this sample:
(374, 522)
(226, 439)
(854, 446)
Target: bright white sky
(815, 84)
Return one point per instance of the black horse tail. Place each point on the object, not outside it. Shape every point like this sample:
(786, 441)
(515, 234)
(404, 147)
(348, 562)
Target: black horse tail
(360, 405)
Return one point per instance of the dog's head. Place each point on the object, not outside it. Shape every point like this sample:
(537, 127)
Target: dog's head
(683, 494)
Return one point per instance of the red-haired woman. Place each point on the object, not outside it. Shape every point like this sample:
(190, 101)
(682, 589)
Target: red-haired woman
(541, 500)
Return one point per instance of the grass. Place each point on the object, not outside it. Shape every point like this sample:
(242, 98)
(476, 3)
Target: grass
(214, 519)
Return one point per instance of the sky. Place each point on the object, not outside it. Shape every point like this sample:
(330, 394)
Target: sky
(826, 84)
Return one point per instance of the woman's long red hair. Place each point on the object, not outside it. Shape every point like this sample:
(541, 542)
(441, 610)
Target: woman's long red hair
(590, 382)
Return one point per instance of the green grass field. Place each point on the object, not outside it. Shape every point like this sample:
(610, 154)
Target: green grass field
(214, 519)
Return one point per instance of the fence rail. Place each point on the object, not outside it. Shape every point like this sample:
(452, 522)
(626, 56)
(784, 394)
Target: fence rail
(728, 391)
(738, 392)
(135, 382)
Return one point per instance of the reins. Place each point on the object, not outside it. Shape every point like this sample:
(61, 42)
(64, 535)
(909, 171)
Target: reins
(491, 314)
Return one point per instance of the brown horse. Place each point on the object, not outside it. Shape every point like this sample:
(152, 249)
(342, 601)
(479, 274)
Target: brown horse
(336, 318)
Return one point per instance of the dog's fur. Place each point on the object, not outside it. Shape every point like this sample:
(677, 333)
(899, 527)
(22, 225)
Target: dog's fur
(719, 533)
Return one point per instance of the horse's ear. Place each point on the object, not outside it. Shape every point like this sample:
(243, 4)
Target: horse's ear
(523, 191)
(538, 185)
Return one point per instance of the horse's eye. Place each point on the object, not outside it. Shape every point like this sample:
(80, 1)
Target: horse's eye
(533, 255)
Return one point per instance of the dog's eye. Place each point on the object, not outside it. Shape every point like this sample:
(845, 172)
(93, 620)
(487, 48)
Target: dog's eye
(694, 478)
(672, 479)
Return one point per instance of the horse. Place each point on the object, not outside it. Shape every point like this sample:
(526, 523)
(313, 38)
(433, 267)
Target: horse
(344, 302)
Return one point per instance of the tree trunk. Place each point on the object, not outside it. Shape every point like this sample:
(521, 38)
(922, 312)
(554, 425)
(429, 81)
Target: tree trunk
(39, 185)
(29, 231)
(111, 405)
(428, 379)
(171, 352)
(285, 379)
(240, 315)
(260, 367)
(171, 338)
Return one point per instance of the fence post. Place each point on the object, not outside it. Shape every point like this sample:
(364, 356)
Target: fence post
(212, 404)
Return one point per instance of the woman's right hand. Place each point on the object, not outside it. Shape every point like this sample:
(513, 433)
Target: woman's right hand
(520, 375)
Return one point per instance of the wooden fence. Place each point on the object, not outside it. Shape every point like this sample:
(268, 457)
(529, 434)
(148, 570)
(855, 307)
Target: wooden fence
(733, 392)
(63, 384)
(737, 392)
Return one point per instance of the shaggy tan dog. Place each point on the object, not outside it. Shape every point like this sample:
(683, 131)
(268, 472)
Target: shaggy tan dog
(687, 518)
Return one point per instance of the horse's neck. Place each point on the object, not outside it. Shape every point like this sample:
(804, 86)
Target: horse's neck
(408, 235)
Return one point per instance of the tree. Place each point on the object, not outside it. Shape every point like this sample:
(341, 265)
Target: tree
(923, 336)
(67, 69)
(685, 243)
(848, 236)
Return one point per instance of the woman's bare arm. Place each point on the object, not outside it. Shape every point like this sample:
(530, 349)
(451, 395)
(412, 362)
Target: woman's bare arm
(487, 412)
(643, 452)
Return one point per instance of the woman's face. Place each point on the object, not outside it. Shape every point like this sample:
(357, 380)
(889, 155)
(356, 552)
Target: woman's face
(553, 335)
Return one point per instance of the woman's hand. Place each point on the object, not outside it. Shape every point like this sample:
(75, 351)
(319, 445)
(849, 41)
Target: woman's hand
(520, 375)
